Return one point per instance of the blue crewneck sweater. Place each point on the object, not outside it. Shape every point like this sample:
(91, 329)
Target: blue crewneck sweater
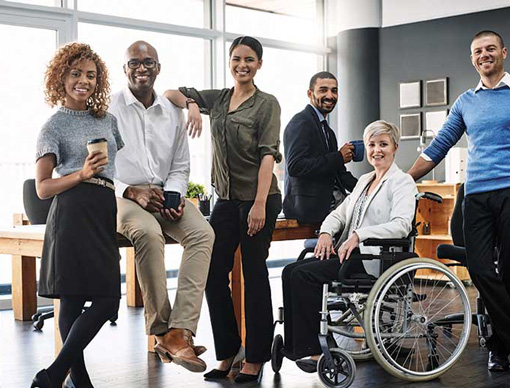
(485, 117)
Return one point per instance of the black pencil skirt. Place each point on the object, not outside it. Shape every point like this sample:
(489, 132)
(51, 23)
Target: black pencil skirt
(80, 254)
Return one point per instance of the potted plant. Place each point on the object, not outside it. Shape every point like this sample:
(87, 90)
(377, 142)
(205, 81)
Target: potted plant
(195, 190)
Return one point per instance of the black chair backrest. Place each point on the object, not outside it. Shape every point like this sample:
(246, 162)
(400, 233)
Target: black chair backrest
(36, 209)
(457, 221)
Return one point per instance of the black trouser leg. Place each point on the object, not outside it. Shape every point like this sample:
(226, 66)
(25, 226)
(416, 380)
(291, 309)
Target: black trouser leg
(486, 223)
(257, 291)
(82, 331)
(225, 223)
(288, 311)
(306, 294)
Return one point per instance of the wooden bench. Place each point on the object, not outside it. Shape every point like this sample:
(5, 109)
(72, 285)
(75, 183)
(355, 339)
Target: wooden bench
(24, 242)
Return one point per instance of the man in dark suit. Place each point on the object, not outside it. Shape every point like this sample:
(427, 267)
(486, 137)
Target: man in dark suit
(316, 180)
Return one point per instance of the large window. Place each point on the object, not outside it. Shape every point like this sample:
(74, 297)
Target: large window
(189, 13)
(23, 113)
(290, 20)
(189, 36)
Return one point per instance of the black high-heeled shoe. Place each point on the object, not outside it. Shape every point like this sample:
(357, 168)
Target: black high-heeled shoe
(68, 382)
(244, 377)
(41, 380)
(220, 374)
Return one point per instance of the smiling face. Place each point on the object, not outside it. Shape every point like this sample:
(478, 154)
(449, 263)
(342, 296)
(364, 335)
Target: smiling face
(487, 56)
(140, 78)
(381, 151)
(244, 64)
(80, 84)
(324, 95)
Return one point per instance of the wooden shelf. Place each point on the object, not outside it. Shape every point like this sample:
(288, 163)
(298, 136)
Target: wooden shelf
(438, 216)
(439, 237)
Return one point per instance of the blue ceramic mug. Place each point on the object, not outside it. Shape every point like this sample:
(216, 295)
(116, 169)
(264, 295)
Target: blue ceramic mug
(359, 150)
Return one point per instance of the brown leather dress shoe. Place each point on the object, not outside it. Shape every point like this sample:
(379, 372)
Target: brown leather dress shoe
(175, 346)
(198, 349)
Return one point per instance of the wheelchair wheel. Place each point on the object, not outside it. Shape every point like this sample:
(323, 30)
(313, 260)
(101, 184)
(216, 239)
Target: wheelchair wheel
(343, 328)
(416, 326)
(339, 374)
(276, 353)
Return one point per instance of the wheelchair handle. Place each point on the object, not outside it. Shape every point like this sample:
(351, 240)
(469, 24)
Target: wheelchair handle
(431, 196)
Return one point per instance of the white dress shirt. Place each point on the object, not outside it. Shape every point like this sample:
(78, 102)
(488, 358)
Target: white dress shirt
(505, 81)
(156, 145)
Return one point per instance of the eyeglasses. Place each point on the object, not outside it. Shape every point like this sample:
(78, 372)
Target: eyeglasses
(147, 63)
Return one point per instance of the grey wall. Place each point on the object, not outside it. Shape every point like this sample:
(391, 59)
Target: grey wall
(429, 50)
(358, 86)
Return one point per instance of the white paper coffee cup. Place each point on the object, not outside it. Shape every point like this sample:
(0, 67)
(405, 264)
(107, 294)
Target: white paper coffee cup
(98, 145)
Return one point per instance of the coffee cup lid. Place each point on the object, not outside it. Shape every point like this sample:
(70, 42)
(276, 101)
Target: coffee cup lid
(94, 141)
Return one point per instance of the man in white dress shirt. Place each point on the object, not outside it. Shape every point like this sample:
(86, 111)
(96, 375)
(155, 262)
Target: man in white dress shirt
(156, 159)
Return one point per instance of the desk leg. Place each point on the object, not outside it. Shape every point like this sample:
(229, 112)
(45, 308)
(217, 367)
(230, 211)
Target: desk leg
(58, 339)
(133, 292)
(24, 293)
(237, 285)
(151, 341)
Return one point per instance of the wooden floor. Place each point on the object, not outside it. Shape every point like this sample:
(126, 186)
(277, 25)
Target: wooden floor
(117, 358)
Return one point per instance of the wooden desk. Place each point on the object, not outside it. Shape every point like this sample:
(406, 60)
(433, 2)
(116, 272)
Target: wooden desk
(24, 243)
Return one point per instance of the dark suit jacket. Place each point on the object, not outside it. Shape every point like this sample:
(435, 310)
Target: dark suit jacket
(311, 168)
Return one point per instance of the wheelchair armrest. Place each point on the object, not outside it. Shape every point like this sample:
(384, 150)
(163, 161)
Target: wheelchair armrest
(387, 242)
(452, 252)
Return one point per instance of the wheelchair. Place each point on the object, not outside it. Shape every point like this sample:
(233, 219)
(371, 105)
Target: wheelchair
(414, 320)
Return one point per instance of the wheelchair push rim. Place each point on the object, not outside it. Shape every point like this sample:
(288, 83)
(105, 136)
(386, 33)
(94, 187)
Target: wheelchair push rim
(422, 325)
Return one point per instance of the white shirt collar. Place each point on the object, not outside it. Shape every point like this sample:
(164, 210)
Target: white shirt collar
(131, 99)
(505, 81)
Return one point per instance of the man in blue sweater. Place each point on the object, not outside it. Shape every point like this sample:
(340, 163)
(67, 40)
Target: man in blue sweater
(483, 113)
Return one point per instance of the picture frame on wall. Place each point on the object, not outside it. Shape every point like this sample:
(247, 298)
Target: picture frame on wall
(434, 122)
(436, 92)
(410, 125)
(410, 94)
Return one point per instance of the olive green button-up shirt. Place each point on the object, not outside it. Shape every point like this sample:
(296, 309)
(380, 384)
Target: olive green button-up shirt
(240, 139)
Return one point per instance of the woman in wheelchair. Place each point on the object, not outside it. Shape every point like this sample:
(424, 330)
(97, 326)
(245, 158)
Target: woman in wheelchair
(382, 205)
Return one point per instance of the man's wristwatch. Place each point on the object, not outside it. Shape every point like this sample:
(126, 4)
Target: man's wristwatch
(189, 100)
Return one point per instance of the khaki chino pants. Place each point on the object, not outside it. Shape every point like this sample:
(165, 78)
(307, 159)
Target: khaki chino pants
(145, 231)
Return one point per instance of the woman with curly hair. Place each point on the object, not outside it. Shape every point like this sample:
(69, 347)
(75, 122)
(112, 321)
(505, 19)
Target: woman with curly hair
(80, 260)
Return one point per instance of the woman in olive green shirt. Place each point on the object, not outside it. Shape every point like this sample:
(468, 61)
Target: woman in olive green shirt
(245, 130)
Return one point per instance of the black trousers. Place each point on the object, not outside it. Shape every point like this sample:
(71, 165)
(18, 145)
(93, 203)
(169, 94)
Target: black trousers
(302, 300)
(487, 225)
(229, 221)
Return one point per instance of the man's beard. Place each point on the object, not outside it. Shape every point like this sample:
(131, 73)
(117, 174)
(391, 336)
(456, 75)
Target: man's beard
(318, 105)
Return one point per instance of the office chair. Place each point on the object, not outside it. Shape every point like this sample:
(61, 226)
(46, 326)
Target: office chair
(37, 211)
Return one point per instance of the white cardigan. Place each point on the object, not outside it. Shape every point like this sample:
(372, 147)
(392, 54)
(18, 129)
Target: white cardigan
(388, 212)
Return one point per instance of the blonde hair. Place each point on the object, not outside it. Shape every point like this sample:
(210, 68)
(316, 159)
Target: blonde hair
(381, 127)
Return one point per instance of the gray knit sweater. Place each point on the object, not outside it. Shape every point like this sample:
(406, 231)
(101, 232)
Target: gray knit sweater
(66, 133)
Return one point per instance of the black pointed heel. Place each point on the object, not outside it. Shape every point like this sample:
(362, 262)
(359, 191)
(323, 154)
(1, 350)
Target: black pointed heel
(244, 378)
(221, 374)
(41, 380)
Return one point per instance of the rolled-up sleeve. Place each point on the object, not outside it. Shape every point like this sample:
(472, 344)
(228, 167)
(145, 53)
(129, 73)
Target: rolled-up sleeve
(269, 130)
(204, 98)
